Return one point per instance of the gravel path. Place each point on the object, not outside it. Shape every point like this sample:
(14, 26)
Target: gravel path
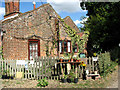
(114, 79)
(0, 84)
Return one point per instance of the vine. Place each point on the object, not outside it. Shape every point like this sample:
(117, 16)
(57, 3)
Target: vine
(75, 38)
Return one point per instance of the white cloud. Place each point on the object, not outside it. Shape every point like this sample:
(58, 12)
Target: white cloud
(77, 22)
(84, 20)
(2, 12)
(66, 5)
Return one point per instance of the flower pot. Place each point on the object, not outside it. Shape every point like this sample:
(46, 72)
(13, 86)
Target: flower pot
(12, 77)
(61, 60)
(68, 80)
(4, 76)
(8, 77)
(77, 60)
(71, 60)
(75, 80)
(64, 80)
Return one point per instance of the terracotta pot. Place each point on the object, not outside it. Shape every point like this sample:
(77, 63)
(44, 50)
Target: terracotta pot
(76, 60)
(71, 60)
(61, 60)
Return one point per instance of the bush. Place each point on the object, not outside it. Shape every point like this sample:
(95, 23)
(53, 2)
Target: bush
(105, 64)
(115, 54)
(42, 83)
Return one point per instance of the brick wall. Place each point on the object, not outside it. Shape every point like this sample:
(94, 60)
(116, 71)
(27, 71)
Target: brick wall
(35, 24)
(70, 22)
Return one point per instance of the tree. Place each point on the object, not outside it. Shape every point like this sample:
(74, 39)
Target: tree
(103, 25)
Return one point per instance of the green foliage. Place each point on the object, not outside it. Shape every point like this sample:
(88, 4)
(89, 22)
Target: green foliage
(1, 52)
(105, 64)
(65, 76)
(115, 54)
(71, 75)
(47, 49)
(103, 25)
(76, 39)
(42, 83)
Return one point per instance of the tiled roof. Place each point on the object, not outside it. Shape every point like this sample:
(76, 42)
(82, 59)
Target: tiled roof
(21, 14)
(70, 22)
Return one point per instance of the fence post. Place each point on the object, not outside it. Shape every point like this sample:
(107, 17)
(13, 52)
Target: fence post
(2, 66)
(39, 67)
(34, 67)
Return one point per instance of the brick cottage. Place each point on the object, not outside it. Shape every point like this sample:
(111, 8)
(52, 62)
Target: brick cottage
(32, 34)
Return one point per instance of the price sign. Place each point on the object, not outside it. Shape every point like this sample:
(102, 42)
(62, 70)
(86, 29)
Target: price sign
(95, 58)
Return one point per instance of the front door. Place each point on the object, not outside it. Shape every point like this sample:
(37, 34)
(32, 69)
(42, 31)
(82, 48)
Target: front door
(33, 48)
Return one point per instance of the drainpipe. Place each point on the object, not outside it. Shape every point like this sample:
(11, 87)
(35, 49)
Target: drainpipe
(34, 4)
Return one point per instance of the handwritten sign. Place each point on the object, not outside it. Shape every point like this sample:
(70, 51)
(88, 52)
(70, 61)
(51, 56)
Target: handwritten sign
(95, 58)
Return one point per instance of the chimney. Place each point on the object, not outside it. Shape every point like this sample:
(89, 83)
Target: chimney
(34, 4)
(11, 8)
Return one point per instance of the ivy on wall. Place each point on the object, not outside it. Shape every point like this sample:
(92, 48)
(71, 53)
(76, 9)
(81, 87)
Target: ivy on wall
(75, 38)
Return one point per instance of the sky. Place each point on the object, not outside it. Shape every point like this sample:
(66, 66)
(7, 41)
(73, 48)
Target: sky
(62, 7)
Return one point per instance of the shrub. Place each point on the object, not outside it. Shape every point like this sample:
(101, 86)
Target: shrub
(42, 83)
(105, 64)
(115, 54)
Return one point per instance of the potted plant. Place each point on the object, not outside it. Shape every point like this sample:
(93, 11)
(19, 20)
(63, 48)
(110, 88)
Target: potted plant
(64, 79)
(72, 77)
(4, 76)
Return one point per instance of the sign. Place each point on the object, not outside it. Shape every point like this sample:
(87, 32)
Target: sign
(21, 62)
(82, 55)
(95, 58)
(87, 72)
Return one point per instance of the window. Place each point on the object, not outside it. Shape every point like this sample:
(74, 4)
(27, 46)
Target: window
(75, 48)
(69, 46)
(60, 47)
(34, 48)
(64, 46)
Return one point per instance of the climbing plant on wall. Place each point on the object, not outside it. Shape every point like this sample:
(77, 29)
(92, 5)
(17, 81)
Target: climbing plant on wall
(75, 38)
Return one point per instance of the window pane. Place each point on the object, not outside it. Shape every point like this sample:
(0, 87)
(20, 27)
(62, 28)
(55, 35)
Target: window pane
(68, 46)
(65, 46)
(33, 50)
(75, 48)
(60, 46)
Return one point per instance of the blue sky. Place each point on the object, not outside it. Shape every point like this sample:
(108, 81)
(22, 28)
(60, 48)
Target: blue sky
(63, 8)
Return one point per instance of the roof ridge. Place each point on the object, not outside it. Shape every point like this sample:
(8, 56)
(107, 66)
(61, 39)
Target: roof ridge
(27, 12)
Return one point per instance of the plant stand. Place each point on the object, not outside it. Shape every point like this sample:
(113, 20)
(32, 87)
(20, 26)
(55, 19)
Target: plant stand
(93, 76)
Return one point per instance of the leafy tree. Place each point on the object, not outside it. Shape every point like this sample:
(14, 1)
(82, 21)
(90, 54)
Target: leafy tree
(103, 25)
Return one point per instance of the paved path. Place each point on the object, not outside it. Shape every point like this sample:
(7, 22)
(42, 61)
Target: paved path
(114, 80)
(0, 84)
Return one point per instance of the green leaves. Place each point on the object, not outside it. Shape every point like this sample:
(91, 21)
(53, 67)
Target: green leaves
(103, 24)
(42, 83)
